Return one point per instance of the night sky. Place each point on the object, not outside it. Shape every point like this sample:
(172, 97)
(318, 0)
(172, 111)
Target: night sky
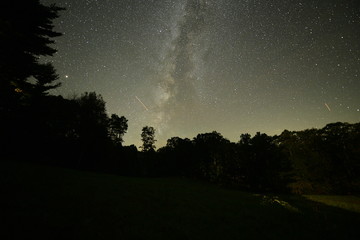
(193, 66)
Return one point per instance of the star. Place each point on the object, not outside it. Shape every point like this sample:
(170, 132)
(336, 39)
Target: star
(203, 65)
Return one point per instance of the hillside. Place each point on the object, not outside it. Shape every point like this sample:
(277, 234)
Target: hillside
(55, 203)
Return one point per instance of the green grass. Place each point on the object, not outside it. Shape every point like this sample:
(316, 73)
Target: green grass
(55, 203)
(351, 203)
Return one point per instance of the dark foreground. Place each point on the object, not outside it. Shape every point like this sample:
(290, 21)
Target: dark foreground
(39, 202)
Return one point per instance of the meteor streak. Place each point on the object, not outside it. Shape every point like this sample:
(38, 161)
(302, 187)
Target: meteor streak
(142, 103)
(327, 106)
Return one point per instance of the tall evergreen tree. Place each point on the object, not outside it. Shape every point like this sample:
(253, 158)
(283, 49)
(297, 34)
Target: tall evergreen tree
(26, 33)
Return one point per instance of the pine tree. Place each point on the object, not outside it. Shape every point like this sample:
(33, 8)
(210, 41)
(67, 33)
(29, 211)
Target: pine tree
(26, 35)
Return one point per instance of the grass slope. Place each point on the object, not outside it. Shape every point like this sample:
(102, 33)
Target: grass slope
(54, 203)
(351, 203)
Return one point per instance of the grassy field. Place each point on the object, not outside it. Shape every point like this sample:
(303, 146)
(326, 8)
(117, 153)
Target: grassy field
(54, 203)
(350, 203)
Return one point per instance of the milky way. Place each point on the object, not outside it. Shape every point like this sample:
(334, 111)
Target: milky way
(181, 66)
(234, 66)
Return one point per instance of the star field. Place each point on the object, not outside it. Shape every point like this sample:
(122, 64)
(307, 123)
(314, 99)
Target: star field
(192, 66)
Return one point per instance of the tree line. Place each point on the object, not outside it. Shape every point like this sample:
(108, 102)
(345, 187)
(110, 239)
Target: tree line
(318, 161)
(78, 132)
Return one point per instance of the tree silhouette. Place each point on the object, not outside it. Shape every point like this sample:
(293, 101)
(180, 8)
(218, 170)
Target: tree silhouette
(245, 139)
(117, 128)
(92, 128)
(148, 139)
(92, 116)
(178, 157)
(323, 160)
(264, 165)
(211, 153)
(26, 34)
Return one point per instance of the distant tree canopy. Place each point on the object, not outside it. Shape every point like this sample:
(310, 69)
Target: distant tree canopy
(310, 161)
(26, 33)
(148, 139)
(323, 160)
(97, 133)
(211, 150)
(92, 116)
